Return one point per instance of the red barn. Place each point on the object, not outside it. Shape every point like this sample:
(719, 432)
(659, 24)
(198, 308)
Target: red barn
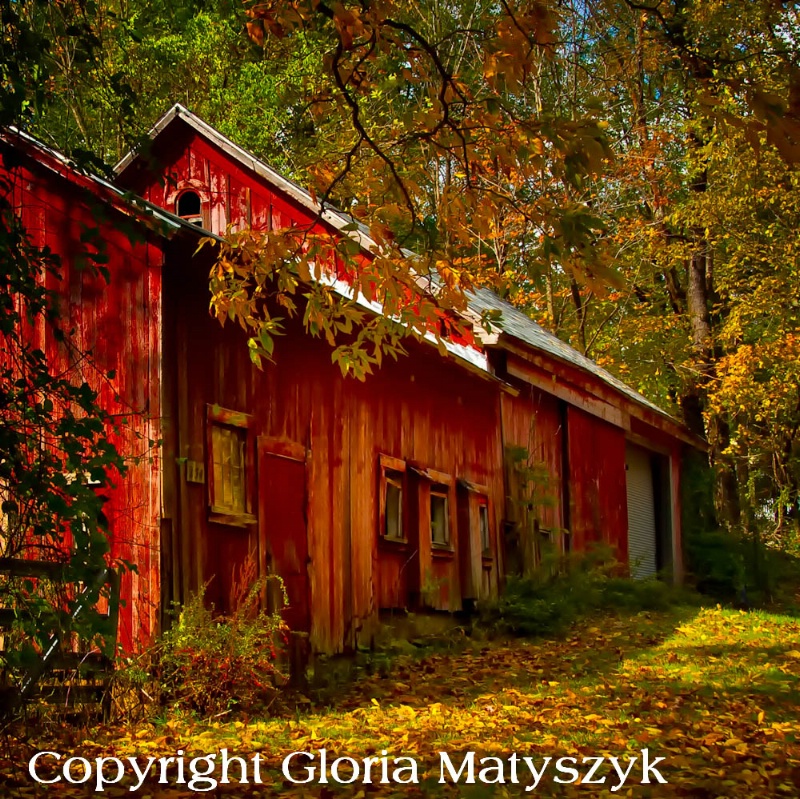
(398, 493)
(120, 323)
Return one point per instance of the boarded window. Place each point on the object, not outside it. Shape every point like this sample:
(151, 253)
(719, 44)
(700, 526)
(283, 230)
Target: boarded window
(230, 466)
(440, 516)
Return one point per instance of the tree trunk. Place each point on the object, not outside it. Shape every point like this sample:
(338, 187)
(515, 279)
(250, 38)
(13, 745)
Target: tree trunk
(551, 307)
(698, 302)
(580, 309)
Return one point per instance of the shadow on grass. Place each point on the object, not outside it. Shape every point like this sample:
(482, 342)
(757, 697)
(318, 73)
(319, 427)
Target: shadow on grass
(590, 650)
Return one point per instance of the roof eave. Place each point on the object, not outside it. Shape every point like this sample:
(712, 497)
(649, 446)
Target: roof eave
(156, 219)
(511, 343)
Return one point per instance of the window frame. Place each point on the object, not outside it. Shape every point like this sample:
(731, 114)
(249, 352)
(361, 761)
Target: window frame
(198, 219)
(244, 424)
(484, 510)
(390, 472)
(477, 499)
(441, 484)
(439, 491)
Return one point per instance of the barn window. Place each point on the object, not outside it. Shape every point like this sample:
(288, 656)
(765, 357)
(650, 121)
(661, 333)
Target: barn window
(392, 498)
(436, 510)
(229, 458)
(483, 525)
(475, 515)
(393, 521)
(230, 466)
(440, 515)
(188, 206)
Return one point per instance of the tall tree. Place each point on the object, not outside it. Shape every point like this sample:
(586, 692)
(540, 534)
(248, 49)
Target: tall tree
(699, 104)
(611, 166)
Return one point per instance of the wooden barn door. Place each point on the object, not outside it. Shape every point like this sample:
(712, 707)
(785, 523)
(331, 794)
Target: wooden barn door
(282, 517)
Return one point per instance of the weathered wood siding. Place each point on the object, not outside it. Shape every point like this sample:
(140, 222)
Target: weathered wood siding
(314, 439)
(119, 324)
(533, 421)
(422, 409)
(231, 194)
(598, 499)
(428, 412)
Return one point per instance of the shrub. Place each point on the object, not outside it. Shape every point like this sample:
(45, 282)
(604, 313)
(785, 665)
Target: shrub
(211, 663)
(562, 591)
(733, 567)
(717, 564)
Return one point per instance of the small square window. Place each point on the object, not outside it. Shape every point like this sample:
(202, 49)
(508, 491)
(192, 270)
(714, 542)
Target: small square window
(545, 536)
(440, 516)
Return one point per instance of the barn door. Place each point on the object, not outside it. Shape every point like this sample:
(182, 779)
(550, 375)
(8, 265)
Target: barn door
(282, 534)
(641, 512)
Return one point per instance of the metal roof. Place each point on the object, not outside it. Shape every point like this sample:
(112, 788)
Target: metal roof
(517, 325)
(133, 201)
(513, 322)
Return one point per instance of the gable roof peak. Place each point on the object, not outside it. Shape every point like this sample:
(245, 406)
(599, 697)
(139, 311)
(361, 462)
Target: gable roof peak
(339, 220)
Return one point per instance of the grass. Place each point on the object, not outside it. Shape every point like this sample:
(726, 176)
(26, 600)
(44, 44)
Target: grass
(714, 691)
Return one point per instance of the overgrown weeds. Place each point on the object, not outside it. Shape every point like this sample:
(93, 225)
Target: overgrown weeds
(214, 663)
(561, 591)
(209, 663)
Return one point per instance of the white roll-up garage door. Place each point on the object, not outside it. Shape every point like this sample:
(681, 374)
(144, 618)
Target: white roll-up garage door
(641, 512)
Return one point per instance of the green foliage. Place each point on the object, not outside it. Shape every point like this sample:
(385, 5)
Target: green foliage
(697, 495)
(112, 68)
(532, 497)
(736, 566)
(56, 450)
(551, 600)
(718, 564)
(210, 663)
(520, 147)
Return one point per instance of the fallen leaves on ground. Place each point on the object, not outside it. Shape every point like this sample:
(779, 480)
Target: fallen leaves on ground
(715, 692)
